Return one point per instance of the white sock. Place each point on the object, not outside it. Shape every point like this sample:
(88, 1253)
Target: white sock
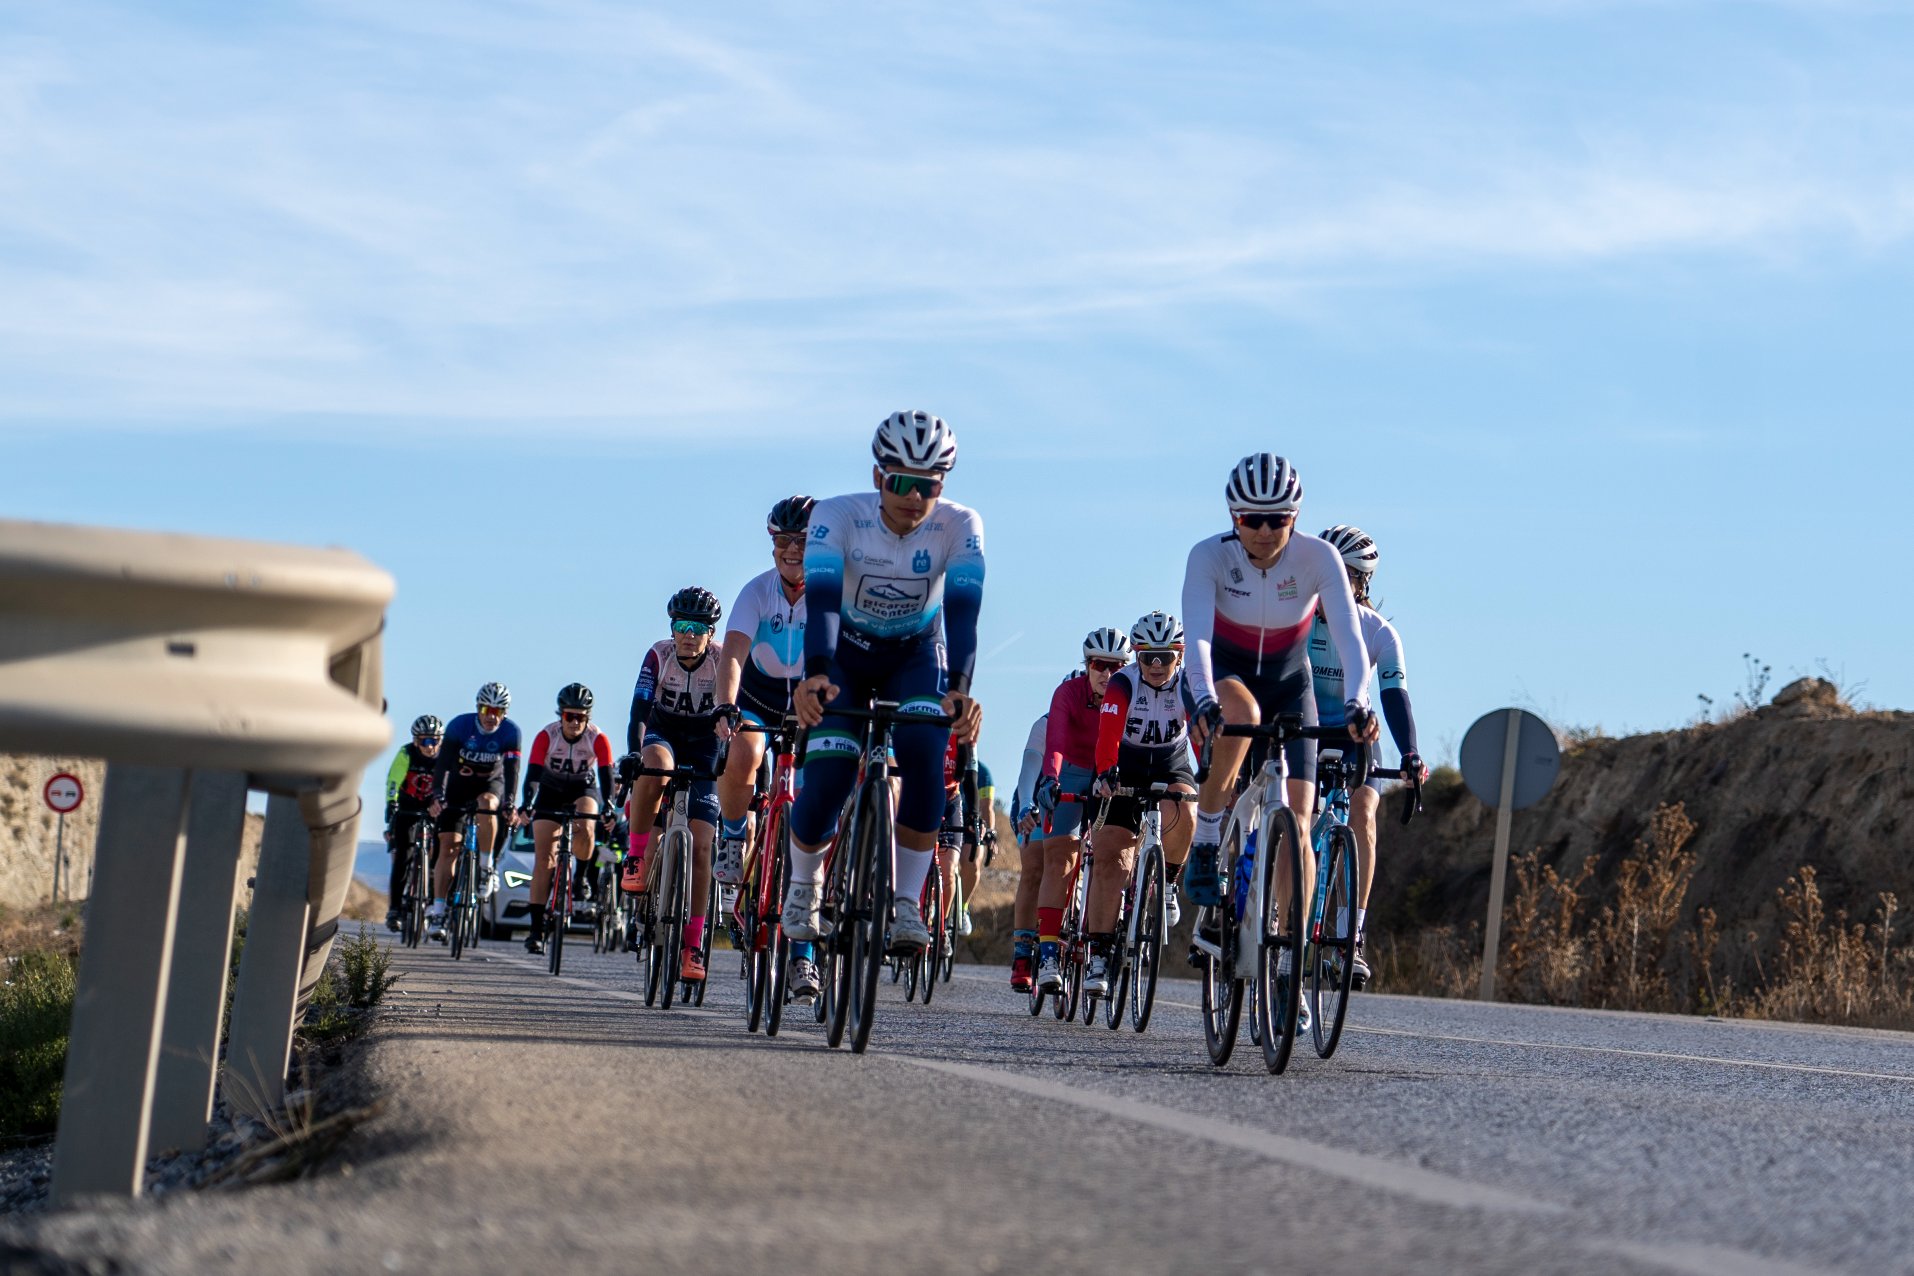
(912, 868)
(1362, 918)
(438, 906)
(807, 866)
(1209, 826)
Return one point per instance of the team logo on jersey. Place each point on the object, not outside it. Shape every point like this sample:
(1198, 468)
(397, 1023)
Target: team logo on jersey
(920, 561)
(857, 555)
(1236, 574)
(1287, 589)
(819, 532)
(892, 598)
(777, 624)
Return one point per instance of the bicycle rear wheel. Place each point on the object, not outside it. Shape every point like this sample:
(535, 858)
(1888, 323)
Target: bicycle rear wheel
(872, 876)
(1278, 996)
(1332, 947)
(694, 993)
(1148, 957)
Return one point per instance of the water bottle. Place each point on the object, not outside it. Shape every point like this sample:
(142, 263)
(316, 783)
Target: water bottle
(1245, 865)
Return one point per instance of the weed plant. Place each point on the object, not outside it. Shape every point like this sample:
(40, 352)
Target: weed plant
(36, 1011)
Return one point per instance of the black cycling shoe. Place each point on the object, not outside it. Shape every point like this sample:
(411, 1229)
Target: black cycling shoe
(1200, 882)
(534, 945)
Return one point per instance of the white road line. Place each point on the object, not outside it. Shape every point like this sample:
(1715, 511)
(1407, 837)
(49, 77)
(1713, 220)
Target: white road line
(1357, 1167)
(1396, 1177)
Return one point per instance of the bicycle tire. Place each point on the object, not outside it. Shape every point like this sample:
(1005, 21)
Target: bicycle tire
(755, 957)
(677, 911)
(872, 934)
(836, 1002)
(647, 950)
(1278, 997)
(558, 904)
(412, 918)
(932, 959)
(951, 914)
(695, 992)
(1146, 961)
(778, 945)
(461, 878)
(1332, 967)
(1037, 995)
(1222, 990)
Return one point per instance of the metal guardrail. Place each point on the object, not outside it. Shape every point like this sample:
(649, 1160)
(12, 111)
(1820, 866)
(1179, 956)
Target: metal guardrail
(199, 669)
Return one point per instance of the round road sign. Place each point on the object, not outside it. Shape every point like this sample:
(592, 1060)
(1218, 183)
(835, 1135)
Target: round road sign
(64, 792)
(1537, 759)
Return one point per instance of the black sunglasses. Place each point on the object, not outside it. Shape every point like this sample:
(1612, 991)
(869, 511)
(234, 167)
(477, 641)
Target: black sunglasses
(1263, 522)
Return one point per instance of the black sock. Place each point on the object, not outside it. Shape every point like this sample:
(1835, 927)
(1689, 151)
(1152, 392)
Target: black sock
(538, 919)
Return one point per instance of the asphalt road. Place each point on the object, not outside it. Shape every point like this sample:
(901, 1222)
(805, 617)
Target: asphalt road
(535, 1124)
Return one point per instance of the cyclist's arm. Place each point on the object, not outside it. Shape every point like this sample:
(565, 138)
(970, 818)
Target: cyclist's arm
(442, 772)
(1392, 677)
(643, 695)
(535, 770)
(964, 600)
(395, 780)
(601, 754)
(1110, 722)
(823, 588)
(1345, 628)
(1056, 732)
(1025, 793)
(510, 750)
(731, 658)
(1199, 622)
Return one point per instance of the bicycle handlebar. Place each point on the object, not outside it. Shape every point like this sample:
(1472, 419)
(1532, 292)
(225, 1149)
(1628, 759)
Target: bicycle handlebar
(887, 711)
(1413, 807)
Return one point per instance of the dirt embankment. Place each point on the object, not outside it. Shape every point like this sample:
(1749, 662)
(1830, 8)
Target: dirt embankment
(27, 829)
(1805, 781)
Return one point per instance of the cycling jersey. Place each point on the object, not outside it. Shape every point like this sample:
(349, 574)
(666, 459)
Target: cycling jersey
(1071, 736)
(561, 771)
(1025, 793)
(1257, 620)
(1137, 716)
(1384, 645)
(876, 588)
(683, 699)
(473, 759)
(409, 782)
(775, 626)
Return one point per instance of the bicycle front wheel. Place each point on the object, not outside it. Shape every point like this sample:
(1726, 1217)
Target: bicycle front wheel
(871, 878)
(461, 892)
(1147, 958)
(1279, 956)
(1332, 946)
(777, 947)
(931, 960)
(677, 910)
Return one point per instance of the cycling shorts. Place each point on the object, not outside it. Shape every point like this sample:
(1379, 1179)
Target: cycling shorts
(560, 801)
(461, 791)
(402, 825)
(1283, 686)
(1140, 768)
(1070, 817)
(697, 747)
(910, 673)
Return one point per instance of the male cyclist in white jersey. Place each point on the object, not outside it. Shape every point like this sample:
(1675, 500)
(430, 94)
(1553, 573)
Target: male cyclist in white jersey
(1249, 596)
(1384, 644)
(894, 581)
(762, 660)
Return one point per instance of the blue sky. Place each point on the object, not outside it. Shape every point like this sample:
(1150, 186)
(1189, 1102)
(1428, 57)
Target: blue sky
(1590, 312)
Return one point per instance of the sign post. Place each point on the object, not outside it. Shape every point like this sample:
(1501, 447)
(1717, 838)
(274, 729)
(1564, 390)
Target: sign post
(63, 792)
(1509, 760)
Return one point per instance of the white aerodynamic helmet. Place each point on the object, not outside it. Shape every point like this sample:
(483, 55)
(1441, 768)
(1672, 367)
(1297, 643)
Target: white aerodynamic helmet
(1106, 644)
(1358, 551)
(1263, 483)
(915, 441)
(494, 695)
(1156, 631)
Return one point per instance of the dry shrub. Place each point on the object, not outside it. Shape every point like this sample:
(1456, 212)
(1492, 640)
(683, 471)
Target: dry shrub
(1437, 961)
(1830, 970)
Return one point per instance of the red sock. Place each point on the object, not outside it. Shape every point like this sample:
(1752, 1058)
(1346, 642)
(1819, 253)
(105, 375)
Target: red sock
(694, 932)
(1049, 925)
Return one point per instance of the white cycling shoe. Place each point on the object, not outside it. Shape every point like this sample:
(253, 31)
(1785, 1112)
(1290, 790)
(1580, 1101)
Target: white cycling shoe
(800, 919)
(490, 887)
(907, 926)
(1096, 979)
(1174, 905)
(1049, 975)
(963, 921)
(727, 865)
(435, 927)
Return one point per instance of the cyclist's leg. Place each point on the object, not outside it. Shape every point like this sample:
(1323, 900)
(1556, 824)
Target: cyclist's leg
(736, 785)
(544, 860)
(1060, 861)
(1115, 861)
(488, 830)
(703, 808)
(1301, 787)
(1362, 822)
(649, 789)
(1226, 757)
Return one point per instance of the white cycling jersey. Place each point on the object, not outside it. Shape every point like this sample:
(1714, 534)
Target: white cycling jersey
(1379, 639)
(1254, 622)
(891, 586)
(775, 626)
(1025, 792)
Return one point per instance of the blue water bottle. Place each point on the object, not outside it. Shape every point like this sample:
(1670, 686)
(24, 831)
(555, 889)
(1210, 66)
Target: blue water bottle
(1245, 865)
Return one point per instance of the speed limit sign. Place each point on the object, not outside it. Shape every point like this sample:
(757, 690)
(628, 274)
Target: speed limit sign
(64, 792)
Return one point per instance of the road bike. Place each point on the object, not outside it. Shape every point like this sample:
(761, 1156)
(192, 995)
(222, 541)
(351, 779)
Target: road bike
(608, 926)
(766, 951)
(462, 907)
(860, 876)
(1073, 946)
(1330, 957)
(1143, 913)
(1252, 943)
(665, 909)
(415, 895)
(559, 903)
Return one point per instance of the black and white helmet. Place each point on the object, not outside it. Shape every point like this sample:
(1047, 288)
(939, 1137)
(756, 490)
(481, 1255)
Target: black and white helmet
(575, 696)
(1157, 631)
(695, 603)
(915, 441)
(495, 695)
(1263, 483)
(1106, 644)
(427, 725)
(1358, 551)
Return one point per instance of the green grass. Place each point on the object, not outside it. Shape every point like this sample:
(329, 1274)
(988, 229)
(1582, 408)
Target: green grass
(36, 1010)
(355, 980)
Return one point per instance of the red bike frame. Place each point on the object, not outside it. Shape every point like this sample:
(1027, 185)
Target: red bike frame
(773, 809)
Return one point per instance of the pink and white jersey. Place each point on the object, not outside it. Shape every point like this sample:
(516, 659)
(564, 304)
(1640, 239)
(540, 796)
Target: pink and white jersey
(1255, 621)
(570, 762)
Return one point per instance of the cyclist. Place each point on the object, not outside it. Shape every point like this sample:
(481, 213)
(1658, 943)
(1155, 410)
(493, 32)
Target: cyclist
(1384, 645)
(1069, 766)
(1140, 741)
(956, 845)
(674, 719)
(408, 791)
(1249, 597)
(763, 658)
(882, 568)
(567, 776)
(980, 841)
(1028, 821)
(479, 765)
